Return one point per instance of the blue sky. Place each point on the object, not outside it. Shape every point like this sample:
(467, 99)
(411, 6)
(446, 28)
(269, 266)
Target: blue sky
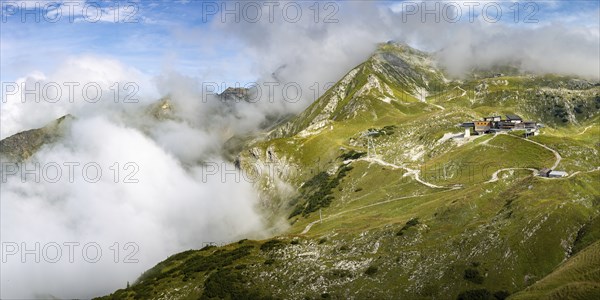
(172, 35)
(145, 41)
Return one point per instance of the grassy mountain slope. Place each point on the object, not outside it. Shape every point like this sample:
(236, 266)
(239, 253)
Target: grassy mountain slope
(371, 90)
(387, 201)
(577, 278)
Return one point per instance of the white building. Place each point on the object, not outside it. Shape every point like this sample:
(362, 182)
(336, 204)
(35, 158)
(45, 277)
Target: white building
(557, 174)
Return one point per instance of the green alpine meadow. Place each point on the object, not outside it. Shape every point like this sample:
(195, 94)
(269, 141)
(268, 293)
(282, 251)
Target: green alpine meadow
(350, 150)
(390, 200)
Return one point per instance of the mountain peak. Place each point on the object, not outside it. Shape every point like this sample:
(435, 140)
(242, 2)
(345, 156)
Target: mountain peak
(235, 94)
(23, 145)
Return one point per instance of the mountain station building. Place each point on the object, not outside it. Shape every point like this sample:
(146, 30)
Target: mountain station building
(496, 123)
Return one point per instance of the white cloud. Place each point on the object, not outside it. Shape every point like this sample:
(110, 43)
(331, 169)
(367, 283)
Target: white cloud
(174, 207)
(318, 52)
(72, 89)
(171, 209)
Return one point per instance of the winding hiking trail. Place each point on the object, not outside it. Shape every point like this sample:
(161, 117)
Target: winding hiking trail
(310, 225)
(556, 154)
(495, 175)
(410, 171)
(584, 172)
(438, 106)
(415, 173)
(535, 171)
(486, 142)
(585, 129)
(458, 96)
